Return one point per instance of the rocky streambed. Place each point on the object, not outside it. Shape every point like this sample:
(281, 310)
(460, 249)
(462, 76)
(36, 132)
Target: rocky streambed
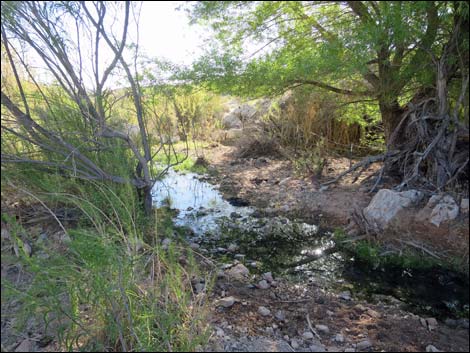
(233, 233)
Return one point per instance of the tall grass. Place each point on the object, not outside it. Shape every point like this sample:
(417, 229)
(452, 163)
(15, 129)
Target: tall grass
(106, 285)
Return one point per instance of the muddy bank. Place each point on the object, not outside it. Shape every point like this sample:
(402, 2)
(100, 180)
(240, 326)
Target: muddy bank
(273, 186)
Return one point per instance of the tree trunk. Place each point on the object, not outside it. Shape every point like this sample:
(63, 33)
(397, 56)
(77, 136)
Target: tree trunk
(391, 116)
(146, 199)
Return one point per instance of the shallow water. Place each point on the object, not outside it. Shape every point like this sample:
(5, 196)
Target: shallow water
(274, 244)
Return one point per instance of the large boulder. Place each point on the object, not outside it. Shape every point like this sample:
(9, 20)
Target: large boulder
(386, 204)
(238, 116)
(444, 208)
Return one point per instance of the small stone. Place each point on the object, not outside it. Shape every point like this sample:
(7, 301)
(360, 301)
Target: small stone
(423, 322)
(323, 329)
(294, 344)
(25, 346)
(318, 348)
(275, 326)
(239, 256)
(232, 248)
(189, 208)
(238, 272)
(263, 311)
(220, 332)
(463, 323)
(227, 302)
(235, 215)
(263, 284)
(165, 243)
(279, 315)
(269, 330)
(373, 313)
(363, 345)
(268, 276)
(253, 264)
(329, 313)
(222, 250)
(451, 323)
(349, 350)
(432, 323)
(339, 338)
(464, 205)
(307, 335)
(199, 287)
(346, 295)
(431, 348)
(194, 246)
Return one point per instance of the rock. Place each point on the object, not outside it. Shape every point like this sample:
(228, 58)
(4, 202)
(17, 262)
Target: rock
(294, 344)
(432, 323)
(307, 335)
(165, 243)
(231, 121)
(451, 323)
(221, 250)
(235, 215)
(199, 287)
(318, 348)
(431, 348)
(363, 345)
(463, 323)
(239, 256)
(253, 264)
(268, 277)
(263, 284)
(423, 322)
(238, 272)
(232, 248)
(227, 302)
(323, 329)
(446, 209)
(346, 295)
(464, 206)
(263, 311)
(349, 350)
(194, 246)
(279, 315)
(219, 332)
(339, 338)
(386, 204)
(373, 313)
(25, 346)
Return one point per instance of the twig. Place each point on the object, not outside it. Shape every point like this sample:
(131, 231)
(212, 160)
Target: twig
(311, 328)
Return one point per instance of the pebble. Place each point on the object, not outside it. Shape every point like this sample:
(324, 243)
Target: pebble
(432, 323)
(294, 343)
(363, 345)
(322, 328)
(227, 302)
(339, 338)
(431, 348)
(307, 335)
(349, 350)
(346, 295)
(279, 315)
(373, 313)
(194, 246)
(263, 284)
(232, 248)
(268, 276)
(318, 348)
(239, 256)
(263, 311)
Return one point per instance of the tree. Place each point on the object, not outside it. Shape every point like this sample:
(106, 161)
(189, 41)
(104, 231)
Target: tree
(63, 36)
(362, 49)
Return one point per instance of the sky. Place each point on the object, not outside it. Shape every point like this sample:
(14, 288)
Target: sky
(165, 32)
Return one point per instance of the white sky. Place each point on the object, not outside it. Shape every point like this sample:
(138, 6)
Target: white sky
(166, 33)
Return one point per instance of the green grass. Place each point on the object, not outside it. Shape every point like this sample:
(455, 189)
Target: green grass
(112, 287)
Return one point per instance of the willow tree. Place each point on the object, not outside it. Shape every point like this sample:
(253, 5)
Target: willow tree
(363, 49)
(399, 54)
(83, 48)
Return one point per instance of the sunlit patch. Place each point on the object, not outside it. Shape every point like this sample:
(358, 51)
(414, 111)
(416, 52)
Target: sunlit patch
(318, 251)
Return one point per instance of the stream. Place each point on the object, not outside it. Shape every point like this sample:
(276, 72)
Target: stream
(231, 232)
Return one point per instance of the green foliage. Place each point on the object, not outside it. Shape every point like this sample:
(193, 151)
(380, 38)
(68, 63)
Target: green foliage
(106, 289)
